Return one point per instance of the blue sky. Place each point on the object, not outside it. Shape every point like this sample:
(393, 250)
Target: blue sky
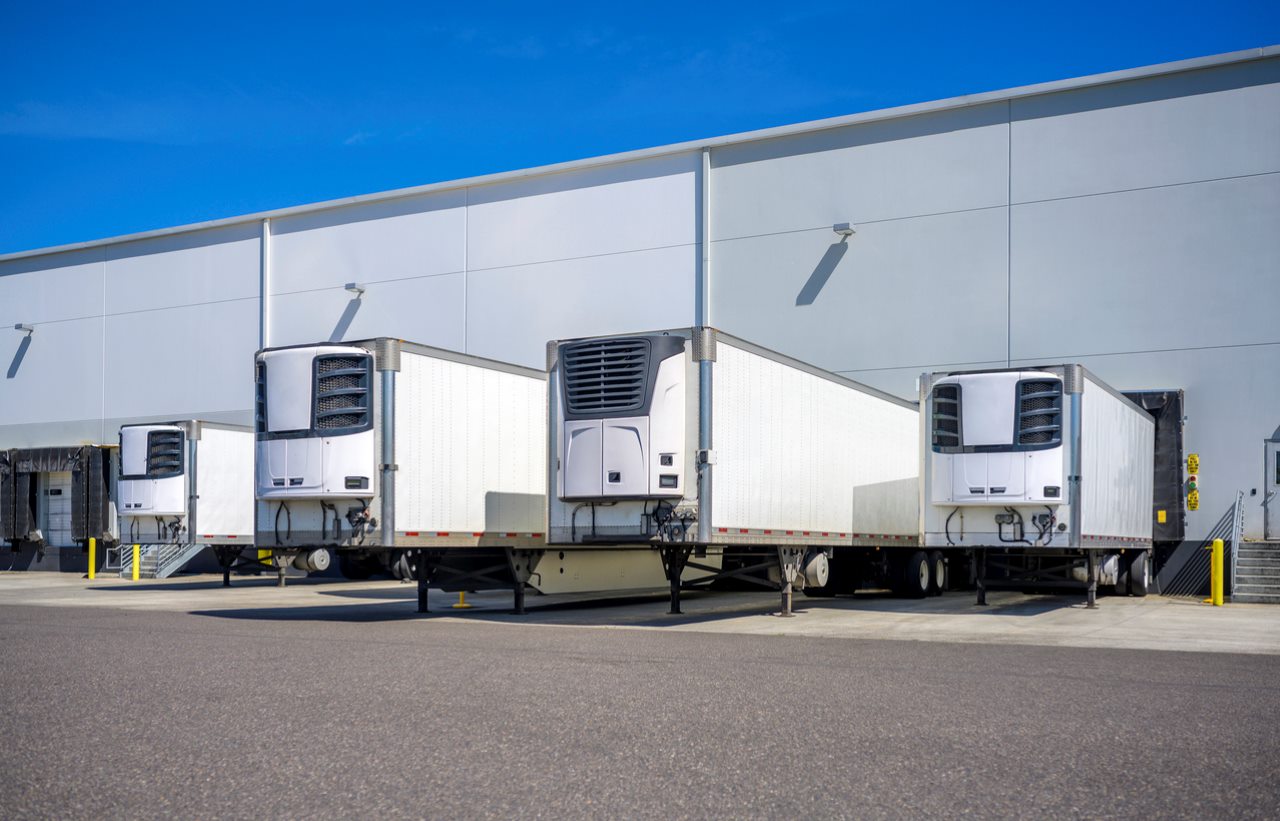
(117, 118)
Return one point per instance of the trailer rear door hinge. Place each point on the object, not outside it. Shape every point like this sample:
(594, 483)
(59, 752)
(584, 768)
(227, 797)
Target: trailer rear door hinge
(706, 457)
(389, 467)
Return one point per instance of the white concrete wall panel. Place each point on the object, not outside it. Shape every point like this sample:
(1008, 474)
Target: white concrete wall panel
(635, 206)
(54, 376)
(929, 164)
(898, 294)
(1211, 124)
(513, 312)
(1175, 267)
(187, 269)
(423, 309)
(182, 362)
(369, 243)
(49, 289)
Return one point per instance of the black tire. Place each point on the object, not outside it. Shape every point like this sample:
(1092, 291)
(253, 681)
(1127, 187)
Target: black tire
(937, 573)
(353, 568)
(824, 592)
(916, 576)
(1140, 573)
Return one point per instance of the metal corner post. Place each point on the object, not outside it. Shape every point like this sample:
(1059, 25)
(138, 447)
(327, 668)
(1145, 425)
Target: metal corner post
(704, 352)
(193, 496)
(387, 359)
(1073, 384)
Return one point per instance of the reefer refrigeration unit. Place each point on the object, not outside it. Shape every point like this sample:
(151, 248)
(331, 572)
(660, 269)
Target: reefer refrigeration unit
(428, 462)
(728, 457)
(1048, 463)
(52, 501)
(184, 486)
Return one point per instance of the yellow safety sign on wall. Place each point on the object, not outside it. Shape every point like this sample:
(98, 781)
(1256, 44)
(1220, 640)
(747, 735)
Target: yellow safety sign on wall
(1193, 463)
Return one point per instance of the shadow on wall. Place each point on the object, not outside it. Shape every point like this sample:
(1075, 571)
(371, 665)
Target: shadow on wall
(825, 268)
(344, 321)
(18, 356)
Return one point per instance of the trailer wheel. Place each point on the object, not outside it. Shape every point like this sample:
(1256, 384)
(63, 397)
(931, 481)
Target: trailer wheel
(937, 573)
(1140, 573)
(916, 578)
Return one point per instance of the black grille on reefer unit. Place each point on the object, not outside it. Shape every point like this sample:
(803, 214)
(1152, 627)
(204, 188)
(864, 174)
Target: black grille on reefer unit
(260, 397)
(605, 375)
(164, 453)
(343, 394)
(1039, 412)
(946, 416)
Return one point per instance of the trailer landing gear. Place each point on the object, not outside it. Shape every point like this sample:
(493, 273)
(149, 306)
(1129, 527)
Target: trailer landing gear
(512, 569)
(752, 565)
(789, 559)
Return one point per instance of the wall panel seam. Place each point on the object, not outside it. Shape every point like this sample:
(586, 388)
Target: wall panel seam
(761, 235)
(1148, 188)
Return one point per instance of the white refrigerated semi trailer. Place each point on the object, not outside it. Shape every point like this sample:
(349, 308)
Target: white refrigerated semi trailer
(429, 462)
(730, 459)
(184, 487)
(1045, 473)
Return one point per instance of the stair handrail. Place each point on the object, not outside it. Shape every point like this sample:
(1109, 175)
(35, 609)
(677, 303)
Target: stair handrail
(1237, 535)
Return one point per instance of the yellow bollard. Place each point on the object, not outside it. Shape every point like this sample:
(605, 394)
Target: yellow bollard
(1215, 574)
(93, 554)
(137, 551)
(462, 601)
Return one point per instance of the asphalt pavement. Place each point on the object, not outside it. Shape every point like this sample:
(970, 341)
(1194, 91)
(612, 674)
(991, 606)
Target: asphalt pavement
(138, 713)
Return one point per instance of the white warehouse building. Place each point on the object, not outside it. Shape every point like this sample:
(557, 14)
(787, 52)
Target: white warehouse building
(1129, 222)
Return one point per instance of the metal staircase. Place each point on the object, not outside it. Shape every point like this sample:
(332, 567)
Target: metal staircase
(157, 561)
(1257, 573)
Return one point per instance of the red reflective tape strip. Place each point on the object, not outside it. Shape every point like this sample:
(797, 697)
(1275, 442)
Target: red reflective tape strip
(768, 533)
(791, 533)
(806, 533)
(743, 530)
(723, 529)
(442, 533)
(477, 535)
(231, 537)
(411, 533)
(536, 535)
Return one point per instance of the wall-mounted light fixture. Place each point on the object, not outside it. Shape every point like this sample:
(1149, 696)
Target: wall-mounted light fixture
(844, 229)
(356, 288)
(26, 329)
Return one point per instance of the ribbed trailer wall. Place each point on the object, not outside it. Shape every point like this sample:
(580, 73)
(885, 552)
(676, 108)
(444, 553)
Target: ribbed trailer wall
(797, 451)
(1117, 456)
(471, 445)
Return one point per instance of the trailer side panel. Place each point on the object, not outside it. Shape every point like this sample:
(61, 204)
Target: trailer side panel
(1117, 466)
(799, 452)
